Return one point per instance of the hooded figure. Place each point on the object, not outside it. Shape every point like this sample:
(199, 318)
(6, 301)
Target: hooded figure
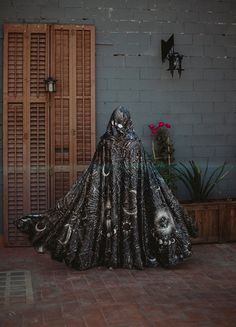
(119, 213)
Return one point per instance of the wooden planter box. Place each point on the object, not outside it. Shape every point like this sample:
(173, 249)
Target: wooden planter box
(216, 220)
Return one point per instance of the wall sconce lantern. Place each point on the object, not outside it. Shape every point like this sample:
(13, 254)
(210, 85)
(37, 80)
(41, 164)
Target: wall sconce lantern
(174, 58)
(50, 85)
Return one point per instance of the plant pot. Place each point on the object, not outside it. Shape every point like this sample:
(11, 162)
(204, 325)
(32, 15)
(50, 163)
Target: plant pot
(216, 220)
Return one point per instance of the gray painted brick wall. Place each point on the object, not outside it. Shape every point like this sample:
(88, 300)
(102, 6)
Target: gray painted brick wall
(201, 106)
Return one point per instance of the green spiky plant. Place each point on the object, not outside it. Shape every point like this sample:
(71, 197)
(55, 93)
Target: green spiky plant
(200, 183)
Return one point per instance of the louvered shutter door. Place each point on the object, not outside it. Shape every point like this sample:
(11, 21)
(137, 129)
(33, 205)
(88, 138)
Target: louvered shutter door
(45, 133)
(13, 129)
(73, 106)
(85, 89)
(25, 125)
(38, 119)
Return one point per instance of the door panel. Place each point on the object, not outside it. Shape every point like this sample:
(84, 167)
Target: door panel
(15, 69)
(39, 185)
(14, 130)
(61, 147)
(85, 99)
(38, 118)
(13, 169)
(73, 130)
(38, 63)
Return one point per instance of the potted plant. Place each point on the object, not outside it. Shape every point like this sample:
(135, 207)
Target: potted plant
(216, 218)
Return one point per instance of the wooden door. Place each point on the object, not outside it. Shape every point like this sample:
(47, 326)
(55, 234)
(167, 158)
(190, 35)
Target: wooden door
(48, 138)
(72, 133)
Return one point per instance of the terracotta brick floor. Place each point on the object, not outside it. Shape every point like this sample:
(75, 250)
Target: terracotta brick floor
(200, 292)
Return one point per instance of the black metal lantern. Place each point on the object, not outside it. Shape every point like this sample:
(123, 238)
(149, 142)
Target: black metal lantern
(174, 58)
(50, 85)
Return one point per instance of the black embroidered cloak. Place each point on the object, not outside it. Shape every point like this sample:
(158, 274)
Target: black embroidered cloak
(120, 213)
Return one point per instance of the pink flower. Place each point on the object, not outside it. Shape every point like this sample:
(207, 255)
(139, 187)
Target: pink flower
(154, 130)
(151, 126)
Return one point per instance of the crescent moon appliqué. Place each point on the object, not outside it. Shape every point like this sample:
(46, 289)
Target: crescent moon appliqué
(103, 171)
(39, 229)
(68, 235)
(133, 212)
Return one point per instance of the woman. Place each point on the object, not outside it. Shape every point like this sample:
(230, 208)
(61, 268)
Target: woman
(120, 213)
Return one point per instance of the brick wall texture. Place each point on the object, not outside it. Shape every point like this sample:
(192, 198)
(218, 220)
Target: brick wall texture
(201, 105)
